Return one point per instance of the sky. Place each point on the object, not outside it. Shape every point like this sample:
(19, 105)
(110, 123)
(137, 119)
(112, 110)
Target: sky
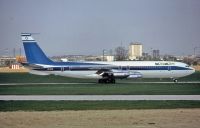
(87, 27)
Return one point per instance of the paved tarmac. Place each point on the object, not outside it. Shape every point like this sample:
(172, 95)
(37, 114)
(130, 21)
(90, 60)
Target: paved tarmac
(98, 97)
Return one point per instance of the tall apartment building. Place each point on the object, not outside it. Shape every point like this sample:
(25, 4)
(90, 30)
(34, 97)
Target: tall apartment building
(156, 53)
(135, 51)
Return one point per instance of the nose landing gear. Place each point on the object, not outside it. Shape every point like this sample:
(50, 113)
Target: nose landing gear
(175, 80)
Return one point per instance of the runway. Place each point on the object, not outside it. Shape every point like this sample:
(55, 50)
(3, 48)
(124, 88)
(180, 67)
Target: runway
(183, 82)
(97, 97)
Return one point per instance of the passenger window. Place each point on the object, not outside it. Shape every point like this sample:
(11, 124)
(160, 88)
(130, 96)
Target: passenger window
(50, 69)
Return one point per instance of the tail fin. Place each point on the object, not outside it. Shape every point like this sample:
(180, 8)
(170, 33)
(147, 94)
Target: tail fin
(34, 53)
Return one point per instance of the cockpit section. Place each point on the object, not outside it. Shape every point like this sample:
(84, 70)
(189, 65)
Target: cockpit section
(187, 65)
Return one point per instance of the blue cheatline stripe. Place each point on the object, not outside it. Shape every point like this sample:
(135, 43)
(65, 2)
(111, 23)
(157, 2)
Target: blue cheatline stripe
(158, 68)
(140, 68)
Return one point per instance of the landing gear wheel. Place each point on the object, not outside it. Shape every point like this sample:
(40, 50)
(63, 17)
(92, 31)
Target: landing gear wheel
(101, 81)
(107, 81)
(108, 78)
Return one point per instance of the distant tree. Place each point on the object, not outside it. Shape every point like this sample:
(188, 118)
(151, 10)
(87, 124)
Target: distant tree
(195, 63)
(169, 58)
(121, 53)
(187, 60)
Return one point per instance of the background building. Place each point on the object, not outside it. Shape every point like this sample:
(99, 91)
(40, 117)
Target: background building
(109, 58)
(135, 51)
(7, 61)
(156, 54)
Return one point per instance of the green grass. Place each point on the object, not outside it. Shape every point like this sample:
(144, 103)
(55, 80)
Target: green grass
(30, 78)
(104, 89)
(94, 88)
(93, 105)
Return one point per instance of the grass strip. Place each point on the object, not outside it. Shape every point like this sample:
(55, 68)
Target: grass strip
(93, 105)
(96, 89)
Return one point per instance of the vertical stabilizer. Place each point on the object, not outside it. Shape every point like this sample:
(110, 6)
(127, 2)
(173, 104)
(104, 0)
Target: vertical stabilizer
(34, 53)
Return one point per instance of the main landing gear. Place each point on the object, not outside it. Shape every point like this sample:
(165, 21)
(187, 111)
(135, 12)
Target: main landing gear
(108, 78)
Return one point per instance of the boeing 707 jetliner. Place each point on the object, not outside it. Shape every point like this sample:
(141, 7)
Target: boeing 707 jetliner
(105, 72)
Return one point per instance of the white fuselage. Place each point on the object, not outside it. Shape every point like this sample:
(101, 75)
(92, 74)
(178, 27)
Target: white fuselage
(148, 69)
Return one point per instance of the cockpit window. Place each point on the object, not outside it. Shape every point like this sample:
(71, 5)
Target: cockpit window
(187, 66)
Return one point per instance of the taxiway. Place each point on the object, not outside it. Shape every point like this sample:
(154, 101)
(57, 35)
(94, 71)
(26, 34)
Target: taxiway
(97, 97)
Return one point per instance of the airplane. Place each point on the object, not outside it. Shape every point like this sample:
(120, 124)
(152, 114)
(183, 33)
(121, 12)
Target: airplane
(105, 72)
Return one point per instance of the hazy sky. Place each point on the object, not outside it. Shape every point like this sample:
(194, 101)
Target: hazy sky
(88, 26)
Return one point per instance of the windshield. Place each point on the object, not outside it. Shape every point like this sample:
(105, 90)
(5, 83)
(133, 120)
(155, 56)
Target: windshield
(187, 66)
